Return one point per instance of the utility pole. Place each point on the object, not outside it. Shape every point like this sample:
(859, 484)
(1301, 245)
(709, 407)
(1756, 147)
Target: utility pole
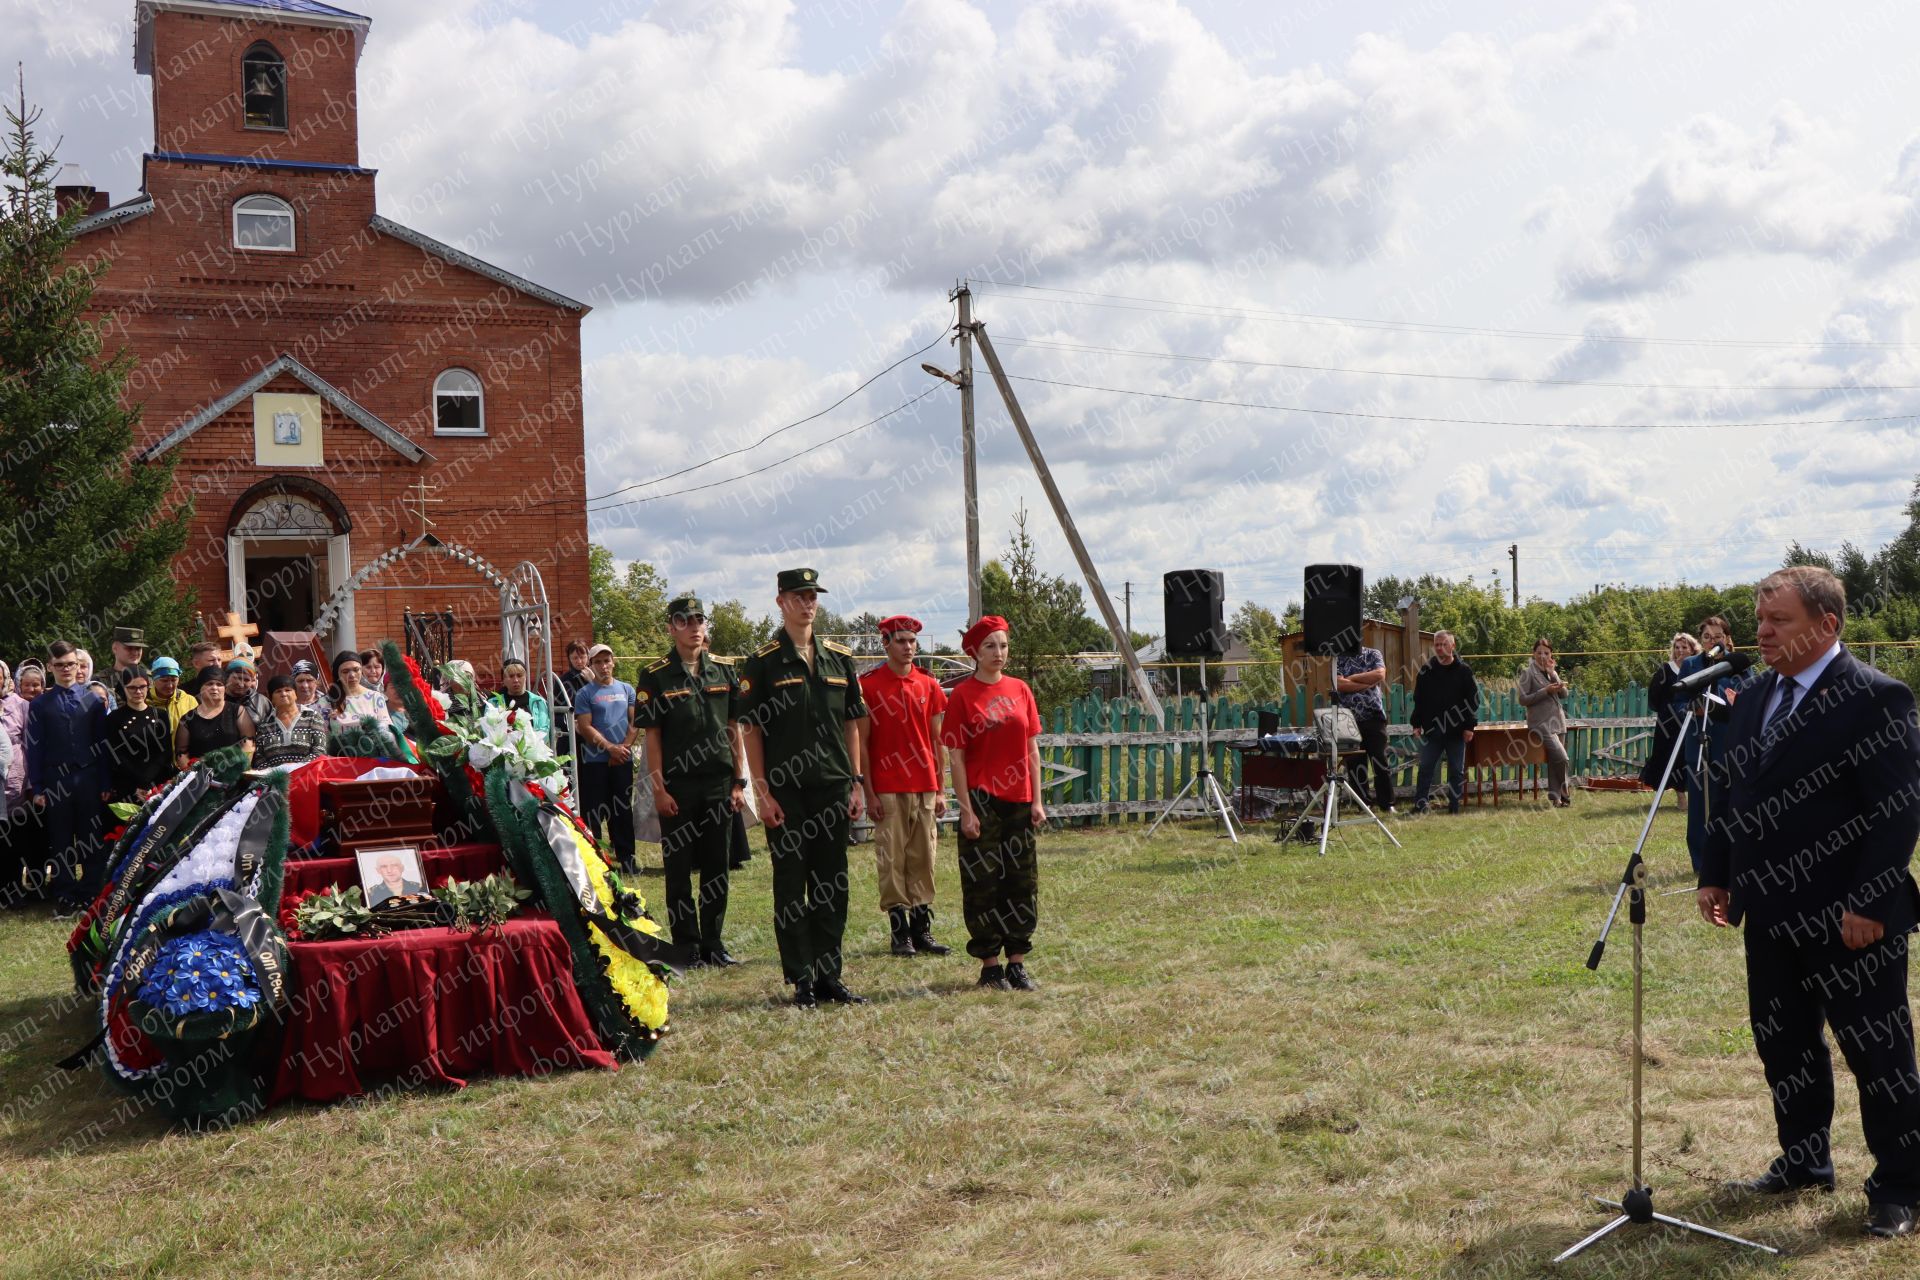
(963, 296)
(1142, 687)
(1513, 552)
(1127, 595)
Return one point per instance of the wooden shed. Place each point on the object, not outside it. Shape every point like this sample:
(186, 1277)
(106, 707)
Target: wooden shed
(1405, 647)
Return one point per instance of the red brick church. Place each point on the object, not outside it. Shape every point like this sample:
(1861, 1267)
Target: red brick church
(368, 419)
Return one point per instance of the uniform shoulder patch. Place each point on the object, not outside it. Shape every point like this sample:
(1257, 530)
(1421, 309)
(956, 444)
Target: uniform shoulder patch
(660, 665)
(837, 648)
(771, 646)
(725, 662)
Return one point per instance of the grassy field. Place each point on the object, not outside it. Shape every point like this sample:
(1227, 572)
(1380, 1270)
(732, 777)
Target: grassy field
(1243, 1062)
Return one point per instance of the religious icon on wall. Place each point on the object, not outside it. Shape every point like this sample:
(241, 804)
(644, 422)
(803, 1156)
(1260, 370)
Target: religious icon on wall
(390, 871)
(286, 428)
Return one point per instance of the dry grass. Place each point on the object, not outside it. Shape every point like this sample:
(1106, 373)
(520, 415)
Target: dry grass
(1244, 1062)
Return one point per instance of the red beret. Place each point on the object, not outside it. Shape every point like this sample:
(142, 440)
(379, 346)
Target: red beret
(899, 622)
(979, 631)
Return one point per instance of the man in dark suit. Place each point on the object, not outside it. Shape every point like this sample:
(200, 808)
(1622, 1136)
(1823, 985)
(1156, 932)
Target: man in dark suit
(1811, 852)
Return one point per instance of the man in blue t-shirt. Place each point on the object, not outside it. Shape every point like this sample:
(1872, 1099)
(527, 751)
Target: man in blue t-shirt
(1358, 678)
(604, 733)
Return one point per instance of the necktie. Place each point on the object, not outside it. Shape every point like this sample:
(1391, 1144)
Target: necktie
(1777, 720)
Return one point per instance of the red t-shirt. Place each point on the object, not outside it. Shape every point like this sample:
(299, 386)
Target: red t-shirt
(900, 712)
(993, 727)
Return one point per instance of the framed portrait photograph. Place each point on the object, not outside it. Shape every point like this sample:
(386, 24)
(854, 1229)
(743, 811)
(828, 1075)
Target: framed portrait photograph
(286, 428)
(390, 871)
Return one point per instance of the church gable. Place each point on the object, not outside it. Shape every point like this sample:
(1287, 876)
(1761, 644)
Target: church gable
(286, 416)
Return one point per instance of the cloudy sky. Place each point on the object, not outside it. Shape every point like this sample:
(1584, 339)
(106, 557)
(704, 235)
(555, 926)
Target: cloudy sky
(1427, 222)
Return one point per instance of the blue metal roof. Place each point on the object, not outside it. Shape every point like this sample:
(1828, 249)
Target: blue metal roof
(290, 6)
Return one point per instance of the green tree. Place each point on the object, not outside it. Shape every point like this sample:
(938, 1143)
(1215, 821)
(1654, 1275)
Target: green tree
(1260, 629)
(89, 534)
(732, 634)
(629, 610)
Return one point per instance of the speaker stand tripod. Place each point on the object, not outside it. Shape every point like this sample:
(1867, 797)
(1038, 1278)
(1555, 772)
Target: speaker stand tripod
(1636, 1206)
(1326, 802)
(1209, 786)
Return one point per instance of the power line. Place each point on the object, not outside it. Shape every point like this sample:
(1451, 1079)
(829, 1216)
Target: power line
(1128, 302)
(715, 484)
(734, 453)
(1050, 345)
(1465, 422)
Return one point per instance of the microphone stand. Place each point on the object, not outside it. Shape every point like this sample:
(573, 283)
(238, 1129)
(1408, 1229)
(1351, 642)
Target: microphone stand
(1636, 1206)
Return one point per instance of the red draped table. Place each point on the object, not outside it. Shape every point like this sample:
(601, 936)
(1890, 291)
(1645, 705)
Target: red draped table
(429, 1006)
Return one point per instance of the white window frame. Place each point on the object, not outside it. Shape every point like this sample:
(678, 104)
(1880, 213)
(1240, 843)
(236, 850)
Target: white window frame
(278, 206)
(479, 394)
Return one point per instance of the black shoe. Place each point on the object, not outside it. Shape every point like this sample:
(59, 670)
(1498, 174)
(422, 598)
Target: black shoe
(1017, 977)
(1776, 1182)
(921, 926)
(628, 867)
(718, 958)
(1453, 810)
(994, 977)
(1890, 1221)
(695, 960)
(897, 925)
(835, 991)
(803, 994)
(1419, 810)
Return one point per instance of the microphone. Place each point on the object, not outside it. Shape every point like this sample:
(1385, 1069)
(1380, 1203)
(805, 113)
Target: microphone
(1687, 686)
(1733, 657)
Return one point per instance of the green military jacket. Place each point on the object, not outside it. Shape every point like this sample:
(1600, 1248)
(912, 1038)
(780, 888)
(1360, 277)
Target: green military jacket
(692, 713)
(802, 714)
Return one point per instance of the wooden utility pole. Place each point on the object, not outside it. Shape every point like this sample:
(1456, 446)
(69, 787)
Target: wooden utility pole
(1124, 642)
(963, 296)
(1513, 552)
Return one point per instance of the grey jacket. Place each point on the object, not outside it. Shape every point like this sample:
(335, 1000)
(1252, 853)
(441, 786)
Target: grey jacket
(1544, 714)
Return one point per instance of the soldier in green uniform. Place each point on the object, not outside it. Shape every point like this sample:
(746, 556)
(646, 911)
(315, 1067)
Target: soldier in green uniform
(800, 707)
(689, 705)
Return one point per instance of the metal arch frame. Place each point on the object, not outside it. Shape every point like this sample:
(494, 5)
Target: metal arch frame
(526, 632)
(329, 614)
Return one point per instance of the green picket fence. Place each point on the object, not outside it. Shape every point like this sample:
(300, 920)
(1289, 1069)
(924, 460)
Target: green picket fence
(1111, 764)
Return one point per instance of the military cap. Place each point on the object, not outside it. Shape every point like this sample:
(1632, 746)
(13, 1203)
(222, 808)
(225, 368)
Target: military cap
(686, 606)
(800, 580)
(130, 635)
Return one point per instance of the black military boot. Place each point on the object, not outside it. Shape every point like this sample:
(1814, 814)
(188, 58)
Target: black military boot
(922, 929)
(902, 937)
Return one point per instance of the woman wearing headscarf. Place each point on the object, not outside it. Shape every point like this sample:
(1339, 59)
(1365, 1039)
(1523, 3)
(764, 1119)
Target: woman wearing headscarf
(214, 723)
(990, 730)
(515, 696)
(351, 698)
(289, 733)
(1668, 713)
(138, 741)
(306, 688)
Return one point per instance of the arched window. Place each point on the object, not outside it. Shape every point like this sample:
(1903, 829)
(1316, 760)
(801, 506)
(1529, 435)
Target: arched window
(459, 408)
(263, 222)
(263, 87)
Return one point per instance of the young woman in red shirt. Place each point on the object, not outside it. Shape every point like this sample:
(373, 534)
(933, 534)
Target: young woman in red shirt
(990, 732)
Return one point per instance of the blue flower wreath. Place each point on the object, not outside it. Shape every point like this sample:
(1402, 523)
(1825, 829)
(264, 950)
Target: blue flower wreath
(200, 973)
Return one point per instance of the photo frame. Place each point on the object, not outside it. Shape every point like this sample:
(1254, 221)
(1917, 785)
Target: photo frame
(286, 428)
(390, 871)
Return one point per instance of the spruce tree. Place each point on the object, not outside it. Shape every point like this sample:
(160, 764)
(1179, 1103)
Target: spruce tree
(87, 535)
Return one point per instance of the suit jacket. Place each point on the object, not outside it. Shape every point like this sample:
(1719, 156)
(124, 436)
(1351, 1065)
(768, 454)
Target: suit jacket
(1823, 821)
(1544, 714)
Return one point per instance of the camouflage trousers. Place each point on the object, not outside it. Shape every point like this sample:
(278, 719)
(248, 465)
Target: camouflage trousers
(1000, 879)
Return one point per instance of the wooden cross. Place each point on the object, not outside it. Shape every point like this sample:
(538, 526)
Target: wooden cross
(237, 634)
(420, 490)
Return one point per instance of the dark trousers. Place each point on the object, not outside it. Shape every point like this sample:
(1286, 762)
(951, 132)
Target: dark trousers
(26, 851)
(1793, 991)
(1432, 748)
(606, 793)
(698, 838)
(1000, 879)
(72, 815)
(1373, 736)
(809, 851)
